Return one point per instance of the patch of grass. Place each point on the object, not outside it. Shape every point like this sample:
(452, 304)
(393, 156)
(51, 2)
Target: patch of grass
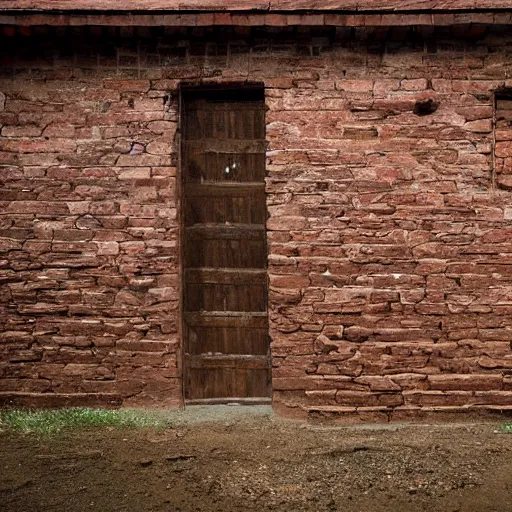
(49, 421)
(507, 427)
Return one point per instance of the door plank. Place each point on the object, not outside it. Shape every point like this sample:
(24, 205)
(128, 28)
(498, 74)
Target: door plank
(227, 252)
(241, 361)
(226, 232)
(225, 297)
(225, 203)
(226, 275)
(227, 319)
(227, 146)
(223, 189)
(227, 382)
(224, 166)
(232, 339)
(231, 400)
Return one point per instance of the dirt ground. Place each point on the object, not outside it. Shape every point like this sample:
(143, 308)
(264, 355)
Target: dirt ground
(255, 462)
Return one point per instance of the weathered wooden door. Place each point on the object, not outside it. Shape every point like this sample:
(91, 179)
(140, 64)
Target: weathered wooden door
(225, 257)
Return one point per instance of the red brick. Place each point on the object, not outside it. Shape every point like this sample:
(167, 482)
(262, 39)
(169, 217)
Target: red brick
(21, 131)
(470, 382)
(418, 84)
(336, 20)
(355, 85)
(308, 20)
(127, 85)
(276, 20)
(223, 18)
(8, 30)
(204, 19)
(289, 281)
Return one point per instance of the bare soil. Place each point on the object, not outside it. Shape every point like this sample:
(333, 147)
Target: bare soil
(258, 463)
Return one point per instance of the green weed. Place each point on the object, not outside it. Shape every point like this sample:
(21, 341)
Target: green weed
(48, 421)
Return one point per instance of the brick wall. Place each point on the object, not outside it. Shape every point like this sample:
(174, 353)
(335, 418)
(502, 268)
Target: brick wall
(389, 234)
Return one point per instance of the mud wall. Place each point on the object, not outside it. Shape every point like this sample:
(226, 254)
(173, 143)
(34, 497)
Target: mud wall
(389, 221)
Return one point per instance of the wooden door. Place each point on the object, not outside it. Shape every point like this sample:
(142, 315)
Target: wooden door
(225, 256)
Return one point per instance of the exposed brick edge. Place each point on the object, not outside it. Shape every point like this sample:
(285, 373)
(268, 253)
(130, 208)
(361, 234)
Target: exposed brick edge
(429, 414)
(316, 414)
(257, 19)
(54, 400)
(350, 415)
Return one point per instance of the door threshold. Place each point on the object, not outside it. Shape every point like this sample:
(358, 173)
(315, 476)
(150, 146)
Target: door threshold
(230, 401)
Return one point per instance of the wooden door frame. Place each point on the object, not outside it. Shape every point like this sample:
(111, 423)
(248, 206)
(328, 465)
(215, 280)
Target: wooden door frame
(198, 86)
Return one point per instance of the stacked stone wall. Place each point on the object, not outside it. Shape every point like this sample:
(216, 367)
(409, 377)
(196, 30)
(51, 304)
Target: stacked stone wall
(390, 260)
